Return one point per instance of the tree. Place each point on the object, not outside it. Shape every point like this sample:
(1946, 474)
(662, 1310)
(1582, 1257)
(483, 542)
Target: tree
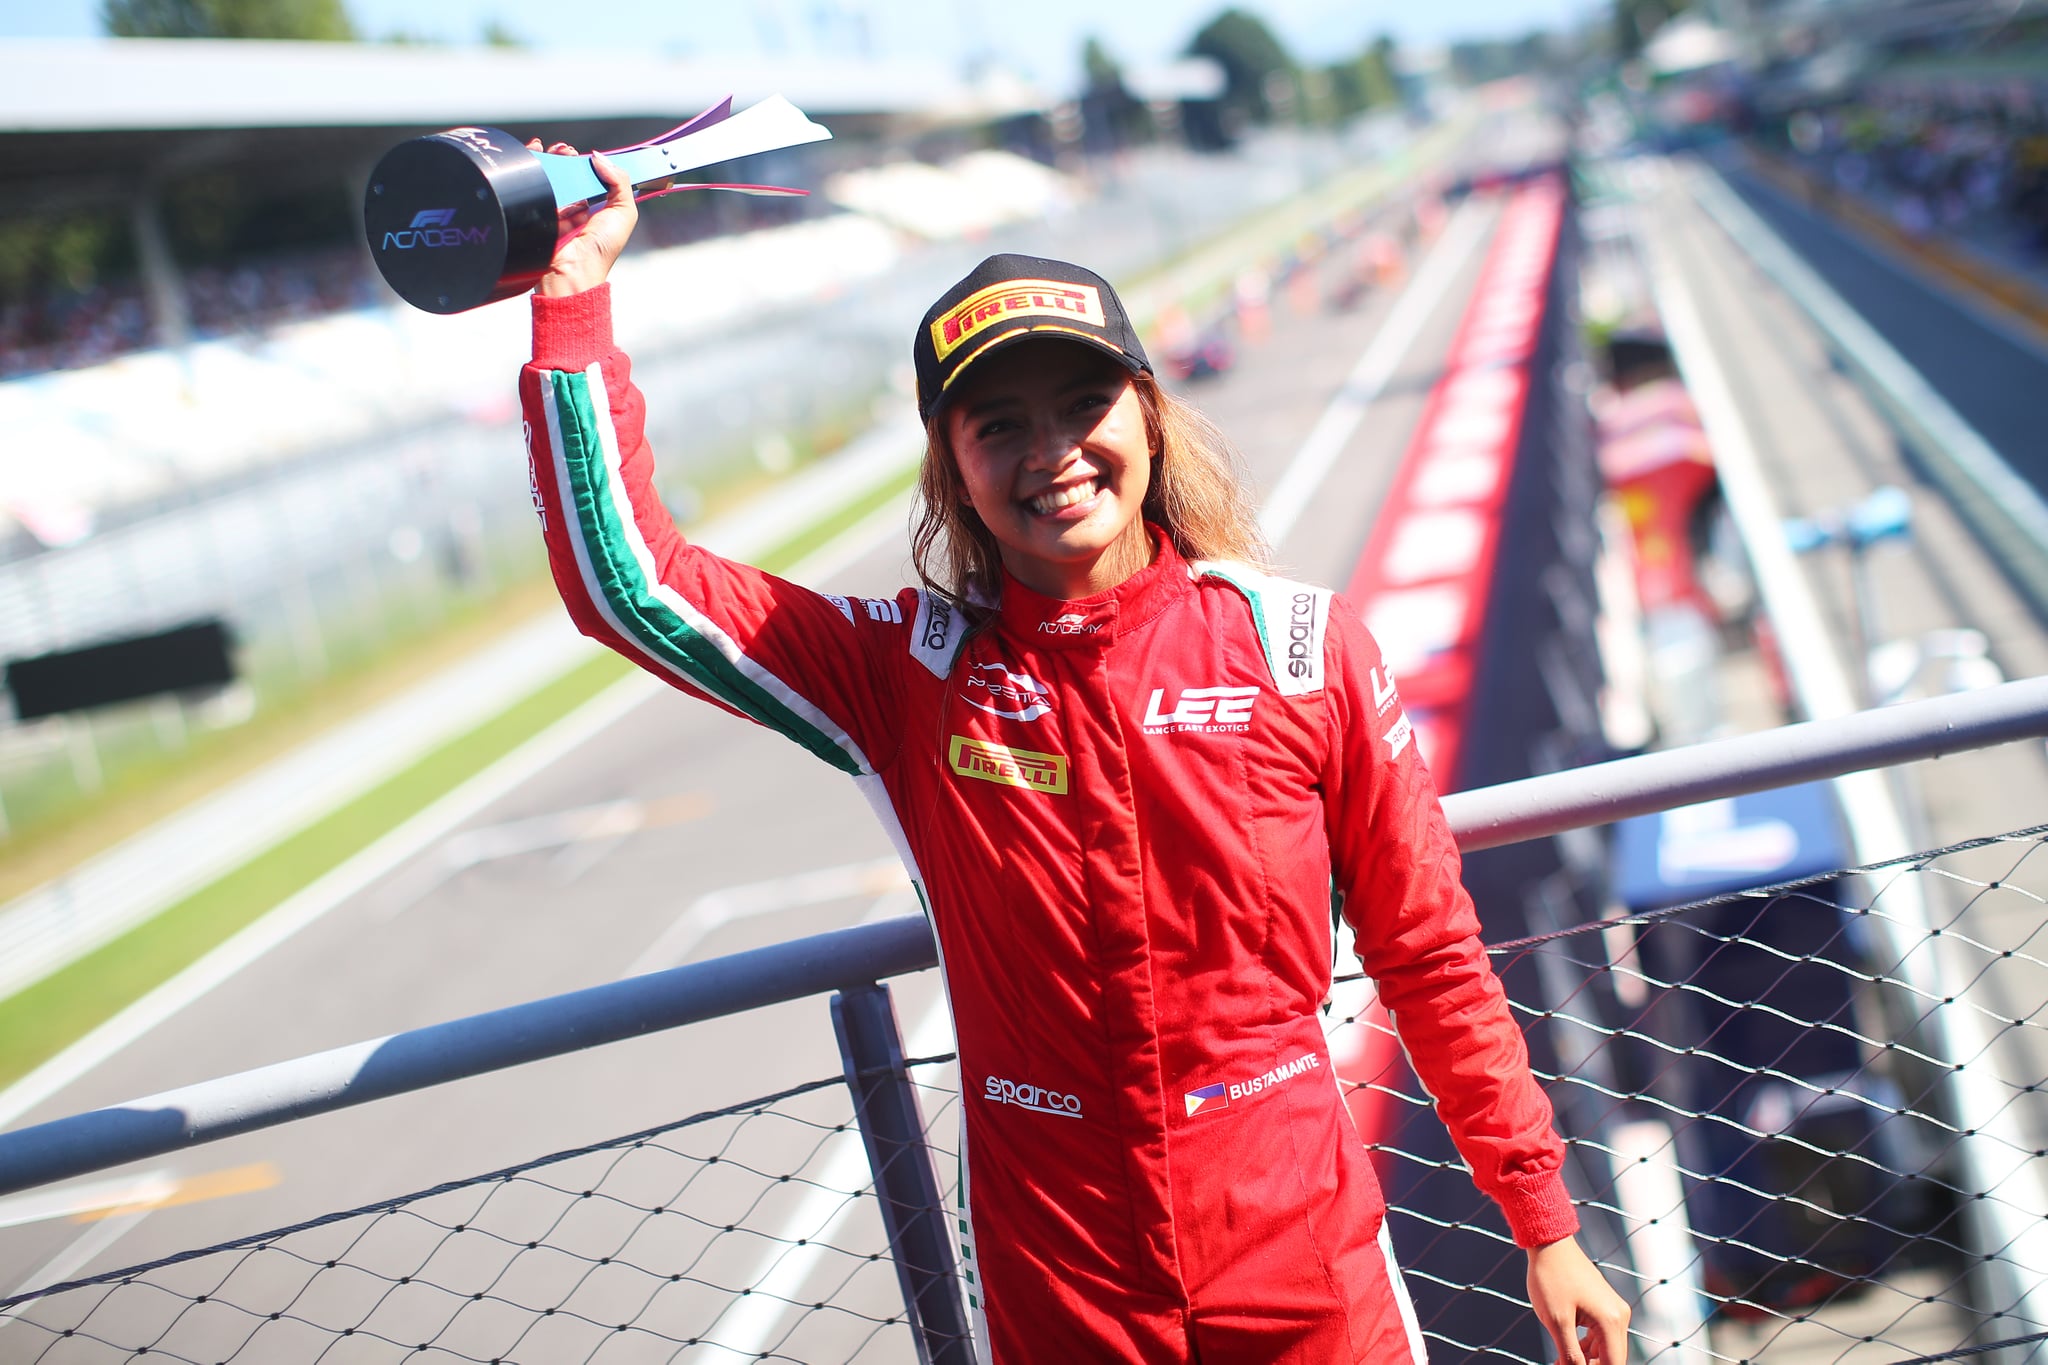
(1637, 21)
(1365, 82)
(1111, 115)
(319, 20)
(1259, 74)
(1377, 71)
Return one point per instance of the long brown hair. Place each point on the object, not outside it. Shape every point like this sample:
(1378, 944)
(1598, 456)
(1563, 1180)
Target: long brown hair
(1198, 497)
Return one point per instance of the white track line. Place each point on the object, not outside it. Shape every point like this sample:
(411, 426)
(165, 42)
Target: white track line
(379, 859)
(716, 909)
(46, 1206)
(1368, 378)
(749, 1330)
(73, 1258)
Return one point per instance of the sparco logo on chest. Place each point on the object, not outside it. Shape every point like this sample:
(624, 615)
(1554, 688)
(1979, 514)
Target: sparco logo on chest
(1034, 1097)
(1205, 710)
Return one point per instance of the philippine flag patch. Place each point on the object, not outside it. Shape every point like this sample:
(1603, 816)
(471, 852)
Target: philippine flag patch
(1208, 1097)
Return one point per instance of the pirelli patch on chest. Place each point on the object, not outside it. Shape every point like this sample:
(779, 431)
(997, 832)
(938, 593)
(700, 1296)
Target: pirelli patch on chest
(999, 763)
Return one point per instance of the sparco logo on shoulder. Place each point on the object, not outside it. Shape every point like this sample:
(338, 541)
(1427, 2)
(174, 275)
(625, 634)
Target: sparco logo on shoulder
(1301, 620)
(938, 625)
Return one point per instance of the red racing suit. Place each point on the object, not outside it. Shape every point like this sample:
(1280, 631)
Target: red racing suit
(1123, 815)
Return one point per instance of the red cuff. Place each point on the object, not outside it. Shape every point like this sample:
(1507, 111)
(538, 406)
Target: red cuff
(572, 331)
(1539, 1212)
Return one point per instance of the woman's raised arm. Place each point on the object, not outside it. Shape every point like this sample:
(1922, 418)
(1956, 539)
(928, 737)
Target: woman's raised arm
(813, 667)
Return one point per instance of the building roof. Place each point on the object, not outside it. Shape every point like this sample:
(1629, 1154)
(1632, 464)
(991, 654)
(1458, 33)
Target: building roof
(92, 120)
(122, 84)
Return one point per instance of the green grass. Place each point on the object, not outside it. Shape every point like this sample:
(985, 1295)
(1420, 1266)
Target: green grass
(39, 1022)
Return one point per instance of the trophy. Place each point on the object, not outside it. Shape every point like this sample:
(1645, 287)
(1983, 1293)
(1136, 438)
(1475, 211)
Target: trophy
(469, 216)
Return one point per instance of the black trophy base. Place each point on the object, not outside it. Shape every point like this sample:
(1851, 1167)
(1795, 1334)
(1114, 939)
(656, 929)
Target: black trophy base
(460, 219)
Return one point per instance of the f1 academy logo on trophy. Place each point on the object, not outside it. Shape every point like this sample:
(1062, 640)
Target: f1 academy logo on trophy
(462, 218)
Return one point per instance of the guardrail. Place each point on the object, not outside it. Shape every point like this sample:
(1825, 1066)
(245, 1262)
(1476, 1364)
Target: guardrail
(551, 1259)
(2003, 509)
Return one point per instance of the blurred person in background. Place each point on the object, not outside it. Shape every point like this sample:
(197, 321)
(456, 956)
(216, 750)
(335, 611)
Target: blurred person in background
(1123, 764)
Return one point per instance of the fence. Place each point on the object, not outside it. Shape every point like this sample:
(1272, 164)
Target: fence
(1764, 1139)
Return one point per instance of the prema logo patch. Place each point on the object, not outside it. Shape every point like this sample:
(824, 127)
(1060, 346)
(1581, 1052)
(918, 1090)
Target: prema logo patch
(1033, 1097)
(1204, 710)
(1013, 696)
(993, 762)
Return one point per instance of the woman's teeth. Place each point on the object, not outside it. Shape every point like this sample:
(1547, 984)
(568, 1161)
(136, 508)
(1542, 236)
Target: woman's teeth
(1052, 500)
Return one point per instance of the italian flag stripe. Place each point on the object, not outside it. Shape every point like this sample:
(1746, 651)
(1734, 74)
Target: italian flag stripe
(652, 617)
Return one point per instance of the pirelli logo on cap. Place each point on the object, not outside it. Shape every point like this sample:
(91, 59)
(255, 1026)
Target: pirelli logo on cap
(1044, 298)
(1010, 767)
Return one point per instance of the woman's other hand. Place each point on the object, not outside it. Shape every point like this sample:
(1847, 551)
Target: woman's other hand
(1569, 1295)
(591, 239)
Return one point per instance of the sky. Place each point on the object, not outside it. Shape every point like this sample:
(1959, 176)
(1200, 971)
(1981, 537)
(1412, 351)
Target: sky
(1041, 39)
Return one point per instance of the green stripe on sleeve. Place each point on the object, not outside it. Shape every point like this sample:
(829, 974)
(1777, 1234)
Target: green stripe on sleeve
(655, 617)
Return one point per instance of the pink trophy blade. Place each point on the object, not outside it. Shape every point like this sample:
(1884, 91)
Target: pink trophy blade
(717, 113)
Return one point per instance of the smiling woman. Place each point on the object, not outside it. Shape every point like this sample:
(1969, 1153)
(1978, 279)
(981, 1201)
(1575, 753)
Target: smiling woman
(1124, 767)
(1052, 456)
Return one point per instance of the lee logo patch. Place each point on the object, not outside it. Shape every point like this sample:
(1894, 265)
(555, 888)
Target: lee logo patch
(992, 762)
(1207, 709)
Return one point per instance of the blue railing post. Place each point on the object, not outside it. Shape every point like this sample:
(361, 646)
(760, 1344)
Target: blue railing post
(892, 1128)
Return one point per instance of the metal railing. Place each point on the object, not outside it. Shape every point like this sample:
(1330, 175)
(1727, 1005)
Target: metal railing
(1784, 1166)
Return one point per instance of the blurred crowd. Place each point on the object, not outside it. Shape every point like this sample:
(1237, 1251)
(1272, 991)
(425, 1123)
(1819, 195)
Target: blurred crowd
(59, 328)
(65, 329)
(1936, 168)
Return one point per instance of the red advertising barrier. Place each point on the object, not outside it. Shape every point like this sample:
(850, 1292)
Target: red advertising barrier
(1423, 582)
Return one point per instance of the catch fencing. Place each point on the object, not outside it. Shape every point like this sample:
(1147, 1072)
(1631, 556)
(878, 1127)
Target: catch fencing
(1766, 1141)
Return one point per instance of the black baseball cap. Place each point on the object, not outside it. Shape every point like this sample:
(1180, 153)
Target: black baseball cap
(1008, 297)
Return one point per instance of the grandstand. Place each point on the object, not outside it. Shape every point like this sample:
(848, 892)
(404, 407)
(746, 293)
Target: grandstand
(274, 141)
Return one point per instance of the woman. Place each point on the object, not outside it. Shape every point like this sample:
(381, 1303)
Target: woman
(1122, 764)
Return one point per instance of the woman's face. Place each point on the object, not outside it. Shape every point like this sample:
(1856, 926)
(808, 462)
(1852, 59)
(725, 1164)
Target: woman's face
(1050, 441)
